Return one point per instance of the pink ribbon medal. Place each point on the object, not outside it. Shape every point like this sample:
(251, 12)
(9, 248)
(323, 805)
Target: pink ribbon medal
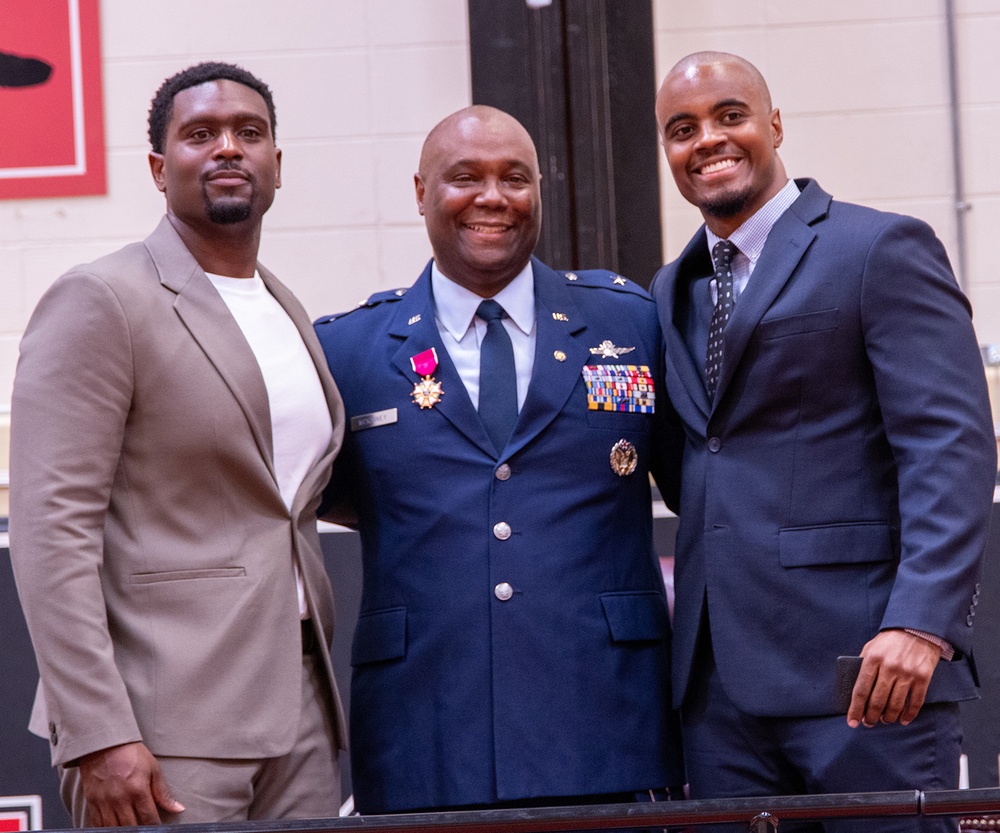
(427, 392)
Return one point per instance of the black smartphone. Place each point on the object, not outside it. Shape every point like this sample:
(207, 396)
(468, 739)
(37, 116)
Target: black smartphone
(847, 675)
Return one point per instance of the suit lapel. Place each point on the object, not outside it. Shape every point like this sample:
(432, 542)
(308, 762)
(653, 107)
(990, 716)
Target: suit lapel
(335, 404)
(414, 325)
(786, 245)
(685, 378)
(552, 379)
(210, 323)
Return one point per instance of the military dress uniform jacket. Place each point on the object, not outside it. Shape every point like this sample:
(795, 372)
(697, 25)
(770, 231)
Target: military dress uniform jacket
(513, 639)
(151, 547)
(841, 482)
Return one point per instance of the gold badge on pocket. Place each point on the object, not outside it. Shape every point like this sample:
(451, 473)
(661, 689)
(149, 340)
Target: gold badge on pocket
(624, 458)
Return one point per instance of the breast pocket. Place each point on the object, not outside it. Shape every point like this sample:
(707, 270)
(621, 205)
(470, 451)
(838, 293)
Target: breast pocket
(807, 322)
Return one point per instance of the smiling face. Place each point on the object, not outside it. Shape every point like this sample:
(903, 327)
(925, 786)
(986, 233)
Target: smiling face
(478, 189)
(219, 165)
(720, 136)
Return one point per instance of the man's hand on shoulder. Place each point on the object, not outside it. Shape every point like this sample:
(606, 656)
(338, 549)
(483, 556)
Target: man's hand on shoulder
(893, 680)
(124, 786)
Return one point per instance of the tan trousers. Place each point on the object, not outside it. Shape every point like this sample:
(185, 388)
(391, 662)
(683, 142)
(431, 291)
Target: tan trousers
(305, 783)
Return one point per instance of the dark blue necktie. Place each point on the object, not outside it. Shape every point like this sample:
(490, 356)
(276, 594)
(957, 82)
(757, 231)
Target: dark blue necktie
(497, 376)
(722, 254)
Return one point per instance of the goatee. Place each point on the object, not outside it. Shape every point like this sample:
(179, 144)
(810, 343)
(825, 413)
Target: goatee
(227, 212)
(727, 205)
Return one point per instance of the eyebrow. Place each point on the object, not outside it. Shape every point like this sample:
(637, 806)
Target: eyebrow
(721, 105)
(211, 117)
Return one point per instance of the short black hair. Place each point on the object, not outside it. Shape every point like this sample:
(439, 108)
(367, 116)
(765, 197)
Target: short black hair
(162, 107)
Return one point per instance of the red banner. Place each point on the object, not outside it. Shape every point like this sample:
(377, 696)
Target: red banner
(51, 113)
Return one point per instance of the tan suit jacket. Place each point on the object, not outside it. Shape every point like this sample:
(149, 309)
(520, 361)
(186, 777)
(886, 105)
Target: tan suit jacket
(151, 547)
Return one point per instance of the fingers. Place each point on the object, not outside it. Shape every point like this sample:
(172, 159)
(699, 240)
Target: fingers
(123, 785)
(892, 684)
(162, 795)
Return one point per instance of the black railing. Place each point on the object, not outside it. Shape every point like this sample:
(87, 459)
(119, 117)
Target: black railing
(758, 814)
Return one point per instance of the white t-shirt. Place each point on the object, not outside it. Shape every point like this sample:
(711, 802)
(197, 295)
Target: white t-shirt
(301, 428)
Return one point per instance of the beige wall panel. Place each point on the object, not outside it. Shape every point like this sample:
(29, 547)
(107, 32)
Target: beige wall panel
(204, 30)
(981, 145)
(405, 252)
(858, 66)
(398, 23)
(865, 156)
(978, 37)
(337, 271)
(414, 89)
(780, 12)
(327, 184)
(396, 161)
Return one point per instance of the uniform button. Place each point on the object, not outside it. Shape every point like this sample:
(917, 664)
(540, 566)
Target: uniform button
(968, 620)
(503, 472)
(503, 591)
(714, 444)
(502, 530)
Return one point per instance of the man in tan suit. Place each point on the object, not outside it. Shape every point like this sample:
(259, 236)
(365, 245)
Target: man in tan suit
(173, 425)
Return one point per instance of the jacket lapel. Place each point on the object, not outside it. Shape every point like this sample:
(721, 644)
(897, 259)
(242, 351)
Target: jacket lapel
(210, 323)
(309, 487)
(685, 377)
(786, 245)
(417, 331)
(552, 379)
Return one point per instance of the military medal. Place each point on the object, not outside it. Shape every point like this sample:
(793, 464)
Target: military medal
(428, 391)
(627, 388)
(624, 458)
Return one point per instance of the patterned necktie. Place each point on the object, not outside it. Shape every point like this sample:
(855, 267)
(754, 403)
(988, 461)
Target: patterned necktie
(497, 376)
(722, 254)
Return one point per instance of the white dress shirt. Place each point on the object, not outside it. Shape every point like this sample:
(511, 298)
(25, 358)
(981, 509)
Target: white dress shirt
(462, 331)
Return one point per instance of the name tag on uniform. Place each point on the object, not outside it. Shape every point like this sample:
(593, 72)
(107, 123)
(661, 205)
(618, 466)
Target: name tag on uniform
(374, 419)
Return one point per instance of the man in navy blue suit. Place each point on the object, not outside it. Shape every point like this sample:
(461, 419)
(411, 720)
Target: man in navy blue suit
(513, 642)
(836, 485)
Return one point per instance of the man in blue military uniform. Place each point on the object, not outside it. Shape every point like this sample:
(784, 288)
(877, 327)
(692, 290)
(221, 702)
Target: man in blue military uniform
(513, 641)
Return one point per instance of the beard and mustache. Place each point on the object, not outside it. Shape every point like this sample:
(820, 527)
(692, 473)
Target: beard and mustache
(226, 211)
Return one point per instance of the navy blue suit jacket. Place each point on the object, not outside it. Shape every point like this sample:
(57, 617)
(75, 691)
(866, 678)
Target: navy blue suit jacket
(458, 696)
(842, 481)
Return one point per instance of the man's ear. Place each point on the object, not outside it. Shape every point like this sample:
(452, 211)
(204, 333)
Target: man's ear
(418, 184)
(277, 176)
(156, 169)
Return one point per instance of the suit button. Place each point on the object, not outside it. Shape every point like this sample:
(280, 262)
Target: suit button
(502, 531)
(502, 472)
(714, 444)
(503, 591)
(53, 734)
(968, 620)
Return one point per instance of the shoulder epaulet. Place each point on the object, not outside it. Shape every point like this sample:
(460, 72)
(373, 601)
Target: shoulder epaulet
(369, 302)
(602, 279)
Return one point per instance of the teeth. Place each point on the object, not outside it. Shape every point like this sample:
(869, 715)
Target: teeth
(718, 166)
(488, 229)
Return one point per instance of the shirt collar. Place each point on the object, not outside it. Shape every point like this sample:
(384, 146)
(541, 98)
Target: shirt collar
(751, 236)
(455, 306)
